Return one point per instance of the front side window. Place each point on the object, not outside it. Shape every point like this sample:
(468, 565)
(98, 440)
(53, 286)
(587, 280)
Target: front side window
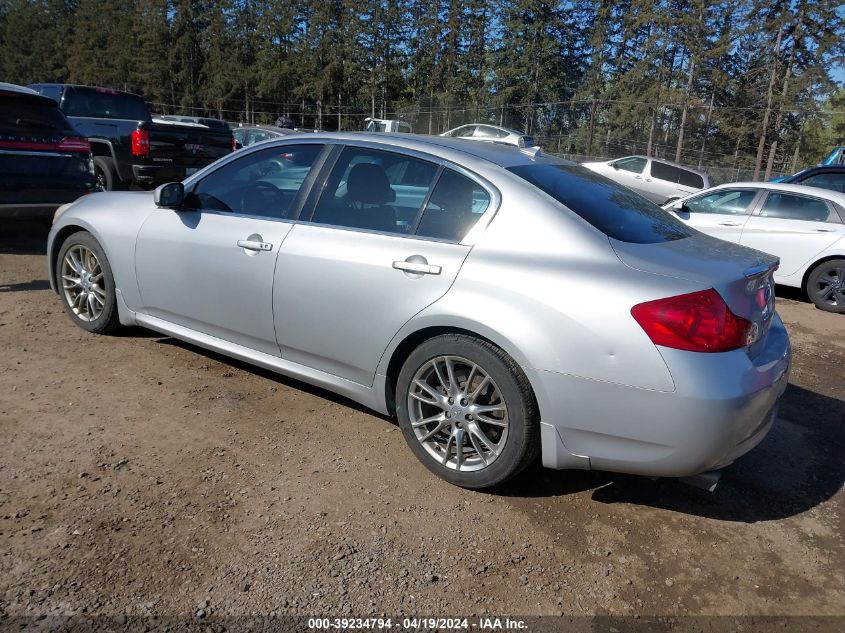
(792, 207)
(664, 171)
(374, 190)
(834, 182)
(724, 201)
(453, 208)
(462, 132)
(633, 164)
(263, 183)
(610, 207)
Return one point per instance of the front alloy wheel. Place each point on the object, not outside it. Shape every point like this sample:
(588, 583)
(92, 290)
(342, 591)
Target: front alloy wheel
(82, 276)
(86, 284)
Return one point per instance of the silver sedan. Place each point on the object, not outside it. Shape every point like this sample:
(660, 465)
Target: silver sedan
(500, 303)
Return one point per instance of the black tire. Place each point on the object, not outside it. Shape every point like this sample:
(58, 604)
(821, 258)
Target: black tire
(107, 320)
(106, 173)
(826, 286)
(522, 444)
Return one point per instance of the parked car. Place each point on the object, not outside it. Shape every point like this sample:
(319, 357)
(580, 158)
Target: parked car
(250, 134)
(803, 226)
(836, 156)
(387, 125)
(44, 162)
(491, 134)
(658, 180)
(128, 146)
(825, 177)
(630, 348)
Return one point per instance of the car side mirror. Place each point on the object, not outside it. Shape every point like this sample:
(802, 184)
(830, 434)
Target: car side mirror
(615, 166)
(170, 195)
(680, 207)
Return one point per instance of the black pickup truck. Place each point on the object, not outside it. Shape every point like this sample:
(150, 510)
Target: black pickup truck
(128, 145)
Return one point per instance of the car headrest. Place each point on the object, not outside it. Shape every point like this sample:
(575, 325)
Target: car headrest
(368, 184)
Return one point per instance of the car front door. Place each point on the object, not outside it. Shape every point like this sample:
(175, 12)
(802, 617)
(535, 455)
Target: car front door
(721, 213)
(628, 171)
(351, 273)
(795, 227)
(209, 267)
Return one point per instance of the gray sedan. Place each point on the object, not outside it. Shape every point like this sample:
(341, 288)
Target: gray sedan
(500, 303)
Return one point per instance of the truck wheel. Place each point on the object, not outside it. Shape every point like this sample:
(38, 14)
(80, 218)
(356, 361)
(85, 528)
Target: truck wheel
(107, 178)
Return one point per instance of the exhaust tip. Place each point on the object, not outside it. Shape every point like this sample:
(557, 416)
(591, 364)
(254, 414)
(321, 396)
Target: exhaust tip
(705, 481)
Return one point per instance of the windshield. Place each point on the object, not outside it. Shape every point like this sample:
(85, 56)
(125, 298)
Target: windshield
(103, 103)
(613, 209)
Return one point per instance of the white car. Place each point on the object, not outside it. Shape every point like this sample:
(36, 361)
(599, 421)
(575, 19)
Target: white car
(491, 134)
(660, 181)
(804, 226)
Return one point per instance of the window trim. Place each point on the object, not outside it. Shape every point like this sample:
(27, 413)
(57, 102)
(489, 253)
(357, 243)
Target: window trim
(831, 212)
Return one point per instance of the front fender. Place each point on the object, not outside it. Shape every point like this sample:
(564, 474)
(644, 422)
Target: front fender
(114, 219)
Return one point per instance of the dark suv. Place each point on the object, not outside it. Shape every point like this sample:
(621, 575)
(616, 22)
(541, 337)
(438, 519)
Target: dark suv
(44, 162)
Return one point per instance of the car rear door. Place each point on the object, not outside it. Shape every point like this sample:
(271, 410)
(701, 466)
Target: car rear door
(351, 273)
(721, 213)
(661, 182)
(209, 266)
(795, 227)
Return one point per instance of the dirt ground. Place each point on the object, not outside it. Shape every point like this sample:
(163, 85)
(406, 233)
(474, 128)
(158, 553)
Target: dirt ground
(143, 476)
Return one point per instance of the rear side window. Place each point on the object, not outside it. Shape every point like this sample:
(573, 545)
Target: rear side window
(613, 209)
(690, 179)
(27, 114)
(528, 141)
(832, 181)
(103, 103)
(374, 190)
(662, 171)
(634, 164)
(453, 208)
(791, 207)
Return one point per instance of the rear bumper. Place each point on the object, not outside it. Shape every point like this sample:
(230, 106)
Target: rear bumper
(722, 407)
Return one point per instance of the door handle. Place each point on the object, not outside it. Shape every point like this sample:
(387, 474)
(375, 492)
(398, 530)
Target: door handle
(252, 245)
(730, 224)
(823, 230)
(419, 268)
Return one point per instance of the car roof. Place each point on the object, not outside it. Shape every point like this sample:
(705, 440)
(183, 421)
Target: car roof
(818, 192)
(454, 149)
(102, 88)
(23, 91)
(494, 126)
(820, 169)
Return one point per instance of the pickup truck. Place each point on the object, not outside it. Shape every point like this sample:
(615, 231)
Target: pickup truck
(128, 145)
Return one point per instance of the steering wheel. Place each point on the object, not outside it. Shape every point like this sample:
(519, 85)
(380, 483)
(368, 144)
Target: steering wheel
(266, 190)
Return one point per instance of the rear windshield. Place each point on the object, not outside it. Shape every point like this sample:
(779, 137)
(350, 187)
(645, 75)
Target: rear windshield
(24, 114)
(613, 209)
(102, 103)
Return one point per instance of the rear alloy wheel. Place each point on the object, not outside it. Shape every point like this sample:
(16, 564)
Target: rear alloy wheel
(826, 286)
(467, 411)
(106, 175)
(86, 284)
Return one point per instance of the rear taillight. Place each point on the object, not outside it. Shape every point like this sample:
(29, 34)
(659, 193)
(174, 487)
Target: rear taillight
(74, 144)
(140, 143)
(234, 144)
(695, 322)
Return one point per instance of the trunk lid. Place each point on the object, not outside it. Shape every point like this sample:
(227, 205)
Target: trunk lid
(741, 275)
(188, 144)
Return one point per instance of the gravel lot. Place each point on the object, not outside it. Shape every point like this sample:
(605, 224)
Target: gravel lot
(140, 475)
